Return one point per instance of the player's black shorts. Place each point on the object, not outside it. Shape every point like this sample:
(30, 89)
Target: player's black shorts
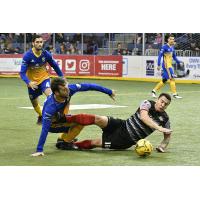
(115, 135)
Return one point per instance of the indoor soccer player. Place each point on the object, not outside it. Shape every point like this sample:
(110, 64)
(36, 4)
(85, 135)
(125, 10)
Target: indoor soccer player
(56, 107)
(168, 54)
(122, 134)
(34, 72)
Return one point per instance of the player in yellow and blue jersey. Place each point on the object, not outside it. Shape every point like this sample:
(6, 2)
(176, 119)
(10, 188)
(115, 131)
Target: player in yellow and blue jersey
(56, 108)
(34, 72)
(167, 53)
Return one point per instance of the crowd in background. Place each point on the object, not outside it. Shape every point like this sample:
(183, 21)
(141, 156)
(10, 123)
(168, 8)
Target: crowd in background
(97, 43)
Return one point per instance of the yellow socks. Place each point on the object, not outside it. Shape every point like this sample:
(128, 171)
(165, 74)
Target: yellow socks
(72, 133)
(159, 86)
(172, 86)
(38, 110)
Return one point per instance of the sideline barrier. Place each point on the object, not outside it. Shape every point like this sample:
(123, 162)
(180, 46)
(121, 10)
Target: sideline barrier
(133, 68)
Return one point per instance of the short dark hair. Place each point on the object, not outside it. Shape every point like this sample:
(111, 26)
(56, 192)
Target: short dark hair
(165, 95)
(35, 37)
(167, 36)
(56, 82)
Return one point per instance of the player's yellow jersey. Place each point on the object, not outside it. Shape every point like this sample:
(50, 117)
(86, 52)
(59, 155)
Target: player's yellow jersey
(37, 70)
(168, 54)
(34, 66)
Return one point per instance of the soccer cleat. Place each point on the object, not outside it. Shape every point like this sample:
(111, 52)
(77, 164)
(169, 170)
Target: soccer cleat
(39, 120)
(153, 94)
(61, 140)
(66, 145)
(176, 96)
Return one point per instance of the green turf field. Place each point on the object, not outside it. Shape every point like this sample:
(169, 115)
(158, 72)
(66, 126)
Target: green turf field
(19, 133)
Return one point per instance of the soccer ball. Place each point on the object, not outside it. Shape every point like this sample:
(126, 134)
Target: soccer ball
(143, 147)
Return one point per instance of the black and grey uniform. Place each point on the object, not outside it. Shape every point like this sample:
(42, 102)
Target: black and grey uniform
(122, 134)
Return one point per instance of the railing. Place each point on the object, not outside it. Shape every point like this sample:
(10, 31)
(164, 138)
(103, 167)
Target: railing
(186, 53)
(151, 52)
(133, 44)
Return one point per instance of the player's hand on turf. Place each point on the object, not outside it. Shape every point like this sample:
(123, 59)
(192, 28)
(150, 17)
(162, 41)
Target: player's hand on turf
(33, 85)
(158, 68)
(37, 154)
(164, 130)
(113, 95)
(160, 149)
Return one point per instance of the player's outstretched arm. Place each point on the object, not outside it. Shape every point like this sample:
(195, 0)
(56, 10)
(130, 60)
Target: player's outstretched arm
(163, 145)
(81, 87)
(149, 122)
(113, 95)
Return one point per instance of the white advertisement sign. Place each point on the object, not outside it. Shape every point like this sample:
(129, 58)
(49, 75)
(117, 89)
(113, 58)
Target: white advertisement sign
(10, 65)
(146, 67)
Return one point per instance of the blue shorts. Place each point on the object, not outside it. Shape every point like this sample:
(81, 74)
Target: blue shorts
(33, 94)
(167, 73)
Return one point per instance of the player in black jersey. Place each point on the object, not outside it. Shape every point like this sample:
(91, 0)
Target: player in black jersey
(122, 134)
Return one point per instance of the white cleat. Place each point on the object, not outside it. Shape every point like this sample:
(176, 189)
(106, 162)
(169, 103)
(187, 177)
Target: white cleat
(176, 96)
(153, 94)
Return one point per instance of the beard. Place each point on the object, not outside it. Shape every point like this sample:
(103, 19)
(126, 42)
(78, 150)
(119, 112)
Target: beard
(38, 48)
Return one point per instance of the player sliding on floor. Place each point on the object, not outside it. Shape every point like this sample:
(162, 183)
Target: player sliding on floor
(56, 107)
(122, 134)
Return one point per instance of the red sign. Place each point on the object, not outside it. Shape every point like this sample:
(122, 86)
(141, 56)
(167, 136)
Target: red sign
(108, 66)
(79, 66)
(72, 65)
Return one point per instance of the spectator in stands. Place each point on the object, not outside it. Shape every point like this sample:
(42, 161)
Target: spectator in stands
(19, 37)
(46, 37)
(119, 50)
(158, 39)
(59, 37)
(29, 37)
(92, 48)
(8, 49)
(68, 47)
(62, 49)
(17, 50)
(193, 46)
(2, 45)
(150, 46)
(73, 49)
(76, 37)
(139, 38)
(50, 49)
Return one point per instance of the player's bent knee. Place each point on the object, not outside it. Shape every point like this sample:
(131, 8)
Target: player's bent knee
(101, 121)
